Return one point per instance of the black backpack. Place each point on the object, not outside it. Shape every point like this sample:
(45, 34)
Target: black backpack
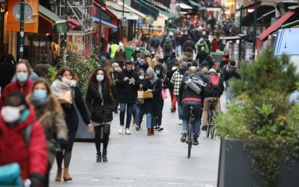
(167, 47)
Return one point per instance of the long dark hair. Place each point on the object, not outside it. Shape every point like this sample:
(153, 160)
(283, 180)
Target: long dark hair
(92, 81)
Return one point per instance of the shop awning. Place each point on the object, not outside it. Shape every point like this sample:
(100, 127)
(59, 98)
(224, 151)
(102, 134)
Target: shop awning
(60, 25)
(72, 22)
(104, 23)
(118, 12)
(184, 6)
(261, 11)
(274, 27)
(136, 12)
(199, 6)
(166, 14)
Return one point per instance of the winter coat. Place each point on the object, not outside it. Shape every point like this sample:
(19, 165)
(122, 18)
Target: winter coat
(15, 86)
(33, 159)
(184, 38)
(230, 73)
(7, 71)
(178, 40)
(165, 52)
(138, 66)
(187, 93)
(169, 76)
(100, 108)
(154, 42)
(127, 92)
(120, 57)
(153, 105)
(42, 69)
(201, 56)
(176, 81)
(214, 45)
(210, 92)
(189, 44)
(55, 128)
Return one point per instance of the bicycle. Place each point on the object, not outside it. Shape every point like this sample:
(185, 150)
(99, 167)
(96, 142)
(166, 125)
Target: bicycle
(190, 137)
(211, 115)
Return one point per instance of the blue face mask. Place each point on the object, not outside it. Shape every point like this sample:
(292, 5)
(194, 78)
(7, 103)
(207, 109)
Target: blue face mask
(100, 78)
(21, 77)
(141, 77)
(141, 63)
(39, 94)
(157, 72)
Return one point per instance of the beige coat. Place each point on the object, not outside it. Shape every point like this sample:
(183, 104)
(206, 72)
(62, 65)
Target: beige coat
(54, 127)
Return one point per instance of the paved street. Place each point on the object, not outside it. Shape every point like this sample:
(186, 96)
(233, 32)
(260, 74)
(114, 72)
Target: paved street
(138, 160)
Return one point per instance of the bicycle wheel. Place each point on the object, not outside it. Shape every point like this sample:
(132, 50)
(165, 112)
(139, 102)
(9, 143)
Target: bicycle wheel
(212, 125)
(190, 139)
(208, 124)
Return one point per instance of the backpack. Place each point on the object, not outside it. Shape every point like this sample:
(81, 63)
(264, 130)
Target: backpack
(195, 84)
(167, 47)
(214, 82)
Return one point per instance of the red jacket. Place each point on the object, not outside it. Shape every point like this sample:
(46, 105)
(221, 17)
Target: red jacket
(32, 158)
(214, 45)
(14, 86)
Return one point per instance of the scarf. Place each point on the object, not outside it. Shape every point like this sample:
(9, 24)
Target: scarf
(41, 104)
(153, 80)
(62, 86)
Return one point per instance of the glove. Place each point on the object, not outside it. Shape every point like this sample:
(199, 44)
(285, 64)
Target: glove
(61, 143)
(37, 180)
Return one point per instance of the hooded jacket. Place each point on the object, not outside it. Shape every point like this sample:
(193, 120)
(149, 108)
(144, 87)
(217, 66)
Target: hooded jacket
(127, 91)
(33, 159)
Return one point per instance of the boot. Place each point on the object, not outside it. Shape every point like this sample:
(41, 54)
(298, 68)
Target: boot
(149, 131)
(99, 157)
(58, 175)
(105, 156)
(152, 131)
(66, 175)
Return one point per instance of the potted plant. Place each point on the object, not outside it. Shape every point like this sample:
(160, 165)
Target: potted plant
(259, 133)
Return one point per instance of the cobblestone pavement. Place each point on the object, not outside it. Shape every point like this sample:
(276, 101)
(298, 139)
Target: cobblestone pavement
(137, 160)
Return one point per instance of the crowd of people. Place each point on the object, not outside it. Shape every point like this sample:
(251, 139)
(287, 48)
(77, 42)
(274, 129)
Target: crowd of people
(47, 112)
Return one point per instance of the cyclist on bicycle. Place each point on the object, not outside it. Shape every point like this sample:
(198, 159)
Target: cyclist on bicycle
(191, 94)
(213, 91)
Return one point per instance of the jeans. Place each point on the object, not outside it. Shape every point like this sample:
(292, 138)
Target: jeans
(138, 114)
(159, 117)
(178, 51)
(228, 94)
(150, 120)
(180, 110)
(186, 117)
(123, 107)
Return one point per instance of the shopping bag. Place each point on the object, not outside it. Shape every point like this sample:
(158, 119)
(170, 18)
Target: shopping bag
(163, 93)
(140, 94)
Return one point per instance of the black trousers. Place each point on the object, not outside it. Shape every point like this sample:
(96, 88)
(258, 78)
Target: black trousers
(159, 117)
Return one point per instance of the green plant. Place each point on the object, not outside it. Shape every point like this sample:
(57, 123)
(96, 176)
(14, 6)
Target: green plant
(52, 71)
(262, 115)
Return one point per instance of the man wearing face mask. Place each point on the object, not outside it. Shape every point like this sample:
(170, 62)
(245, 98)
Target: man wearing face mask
(141, 63)
(135, 53)
(22, 84)
(165, 84)
(16, 116)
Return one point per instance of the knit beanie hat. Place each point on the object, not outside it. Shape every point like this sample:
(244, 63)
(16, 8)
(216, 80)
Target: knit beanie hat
(150, 71)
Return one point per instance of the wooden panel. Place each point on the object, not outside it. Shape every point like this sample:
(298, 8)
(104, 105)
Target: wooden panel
(31, 25)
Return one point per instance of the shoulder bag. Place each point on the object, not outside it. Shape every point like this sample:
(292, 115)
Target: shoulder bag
(163, 92)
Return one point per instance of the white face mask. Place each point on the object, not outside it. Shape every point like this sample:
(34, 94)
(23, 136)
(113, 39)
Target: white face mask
(11, 114)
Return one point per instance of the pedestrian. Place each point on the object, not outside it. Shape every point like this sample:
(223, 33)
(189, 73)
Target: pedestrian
(127, 87)
(120, 56)
(113, 48)
(214, 44)
(22, 83)
(135, 52)
(170, 61)
(189, 44)
(114, 74)
(165, 84)
(217, 69)
(190, 96)
(176, 81)
(167, 48)
(201, 55)
(154, 43)
(65, 80)
(178, 49)
(138, 114)
(209, 61)
(153, 85)
(212, 91)
(29, 150)
(229, 73)
(32, 75)
(99, 99)
(50, 115)
(223, 63)
(7, 71)
(141, 63)
(42, 69)
(171, 85)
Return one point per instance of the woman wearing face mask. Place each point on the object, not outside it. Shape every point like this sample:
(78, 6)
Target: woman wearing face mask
(138, 114)
(32, 75)
(150, 107)
(114, 74)
(49, 114)
(30, 153)
(99, 99)
(23, 84)
(67, 79)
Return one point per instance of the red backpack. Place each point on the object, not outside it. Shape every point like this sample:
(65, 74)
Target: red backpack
(214, 82)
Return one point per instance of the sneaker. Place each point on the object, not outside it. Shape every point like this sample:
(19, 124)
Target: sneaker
(183, 138)
(156, 127)
(137, 128)
(180, 122)
(160, 128)
(204, 128)
(121, 129)
(195, 141)
(172, 110)
(127, 132)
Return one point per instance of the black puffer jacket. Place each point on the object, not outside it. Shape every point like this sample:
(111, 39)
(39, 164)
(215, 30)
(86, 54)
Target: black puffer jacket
(186, 92)
(127, 93)
(100, 109)
(209, 92)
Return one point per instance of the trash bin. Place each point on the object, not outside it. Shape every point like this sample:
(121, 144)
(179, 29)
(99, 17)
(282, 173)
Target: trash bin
(129, 50)
(217, 56)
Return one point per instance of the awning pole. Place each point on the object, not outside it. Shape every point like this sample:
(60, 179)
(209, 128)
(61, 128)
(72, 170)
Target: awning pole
(254, 30)
(65, 34)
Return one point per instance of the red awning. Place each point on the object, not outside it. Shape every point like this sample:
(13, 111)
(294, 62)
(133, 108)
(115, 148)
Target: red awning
(72, 22)
(273, 27)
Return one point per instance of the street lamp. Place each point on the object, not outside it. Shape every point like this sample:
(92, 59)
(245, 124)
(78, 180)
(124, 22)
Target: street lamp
(254, 29)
